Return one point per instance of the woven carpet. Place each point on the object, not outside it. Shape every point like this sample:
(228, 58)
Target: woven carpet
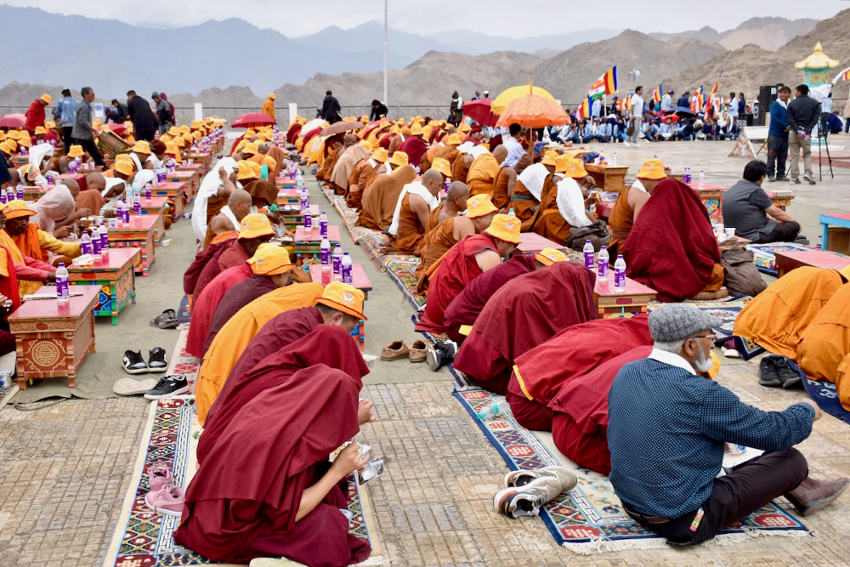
(827, 398)
(403, 273)
(459, 377)
(184, 363)
(590, 519)
(144, 538)
(765, 259)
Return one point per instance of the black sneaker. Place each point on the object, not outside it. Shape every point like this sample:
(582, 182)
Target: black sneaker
(443, 352)
(157, 361)
(788, 377)
(169, 386)
(768, 375)
(134, 363)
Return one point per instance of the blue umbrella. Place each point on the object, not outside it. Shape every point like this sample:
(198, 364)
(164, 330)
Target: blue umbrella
(680, 111)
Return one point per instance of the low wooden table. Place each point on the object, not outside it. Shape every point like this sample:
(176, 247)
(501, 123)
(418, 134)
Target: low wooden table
(53, 339)
(198, 167)
(285, 182)
(33, 193)
(288, 197)
(712, 197)
(191, 181)
(155, 206)
(608, 177)
(293, 221)
(787, 260)
(360, 280)
(840, 220)
(307, 245)
(628, 303)
(175, 192)
(204, 158)
(140, 233)
(115, 276)
(531, 242)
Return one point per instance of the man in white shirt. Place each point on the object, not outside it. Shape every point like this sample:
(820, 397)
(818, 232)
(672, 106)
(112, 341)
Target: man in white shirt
(636, 115)
(667, 100)
(511, 143)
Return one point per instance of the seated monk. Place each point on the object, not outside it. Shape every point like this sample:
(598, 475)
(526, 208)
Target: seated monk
(824, 350)
(333, 158)
(91, 199)
(777, 317)
(56, 212)
(460, 167)
(629, 203)
(30, 239)
(331, 148)
(483, 170)
(467, 260)
(442, 238)
(579, 412)
(213, 194)
(523, 315)
(415, 204)
(193, 272)
(352, 154)
(414, 146)
(256, 229)
(29, 273)
(365, 171)
(229, 217)
(530, 186)
(503, 185)
(672, 248)
(448, 150)
(235, 335)
(581, 348)
(271, 268)
(562, 204)
(380, 199)
(290, 505)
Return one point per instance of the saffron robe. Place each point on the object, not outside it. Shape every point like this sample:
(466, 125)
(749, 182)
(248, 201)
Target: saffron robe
(235, 299)
(481, 175)
(380, 199)
(620, 222)
(204, 306)
(435, 243)
(824, 349)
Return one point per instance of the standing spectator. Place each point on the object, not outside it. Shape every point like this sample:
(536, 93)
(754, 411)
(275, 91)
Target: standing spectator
(596, 108)
(331, 108)
(164, 97)
(118, 113)
(379, 110)
(637, 115)
(163, 114)
(65, 113)
(84, 131)
(732, 106)
(847, 117)
(35, 113)
(803, 114)
(456, 109)
(667, 100)
(777, 136)
(139, 110)
(742, 111)
(683, 100)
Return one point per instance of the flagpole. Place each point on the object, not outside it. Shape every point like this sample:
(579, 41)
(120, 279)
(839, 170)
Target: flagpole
(386, 49)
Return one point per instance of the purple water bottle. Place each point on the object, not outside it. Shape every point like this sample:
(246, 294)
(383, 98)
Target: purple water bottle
(137, 204)
(323, 224)
(104, 238)
(20, 192)
(346, 268)
(325, 251)
(148, 192)
(305, 200)
(308, 223)
(620, 273)
(588, 254)
(96, 245)
(2, 196)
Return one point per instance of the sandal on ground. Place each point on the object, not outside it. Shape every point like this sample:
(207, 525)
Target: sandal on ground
(166, 320)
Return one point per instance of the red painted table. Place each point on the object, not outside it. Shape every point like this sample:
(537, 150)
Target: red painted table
(116, 278)
(191, 180)
(139, 233)
(288, 197)
(155, 206)
(198, 167)
(80, 178)
(531, 242)
(33, 193)
(53, 339)
(307, 244)
(204, 158)
(176, 194)
(295, 219)
(360, 280)
(628, 303)
(787, 260)
(284, 182)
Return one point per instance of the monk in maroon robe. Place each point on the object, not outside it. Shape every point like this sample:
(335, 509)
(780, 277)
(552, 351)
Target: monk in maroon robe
(523, 315)
(238, 297)
(580, 424)
(265, 488)
(540, 373)
(331, 346)
(415, 148)
(238, 251)
(193, 272)
(204, 306)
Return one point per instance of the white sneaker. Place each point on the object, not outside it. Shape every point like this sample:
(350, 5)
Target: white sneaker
(522, 477)
(627, 144)
(527, 500)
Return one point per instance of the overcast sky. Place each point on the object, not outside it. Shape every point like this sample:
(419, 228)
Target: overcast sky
(517, 18)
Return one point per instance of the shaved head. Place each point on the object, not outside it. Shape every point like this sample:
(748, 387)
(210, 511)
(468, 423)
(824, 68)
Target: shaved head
(239, 197)
(350, 140)
(500, 153)
(93, 181)
(458, 189)
(432, 176)
(74, 187)
(262, 149)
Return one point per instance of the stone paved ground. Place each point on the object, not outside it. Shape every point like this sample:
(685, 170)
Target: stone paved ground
(65, 468)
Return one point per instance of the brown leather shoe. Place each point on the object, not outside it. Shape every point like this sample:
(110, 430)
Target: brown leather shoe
(398, 349)
(812, 495)
(418, 351)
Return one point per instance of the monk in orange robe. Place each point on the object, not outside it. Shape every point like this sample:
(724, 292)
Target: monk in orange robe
(530, 186)
(482, 173)
(380, 200)
(460, 168)
(30, 239)
(630, 201)
(365, 171)
(331, 151)
(562, 204)
(415, 204)
(503, 185)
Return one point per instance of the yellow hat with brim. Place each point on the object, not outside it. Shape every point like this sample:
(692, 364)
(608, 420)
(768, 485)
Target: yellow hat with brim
(549, 256)
(14, 134)
(6, 148)
(343, 297)
(480, 206)
(270, 260)
(272, 96)
(123, 167)
(271, 162)
(40, 130)
(845, 271)
(141, 147)
(505, 227)
(46, 98)
(97, 123)
(575, 169)
(249, 149)
(652, 169)
(76, 151)
(465, 127)
(551, 158)
(16, 209)
(561, 163)
(405, 131)
(181, 143)
(442, 165)
(174, 131)
(13, 145)
(453, 140)
(50, 125)
(2, 135)
(255, 225)
(400, 159)
(29, 172)
(417, 130)
(245, 171)
(380, 155)
(25, 141)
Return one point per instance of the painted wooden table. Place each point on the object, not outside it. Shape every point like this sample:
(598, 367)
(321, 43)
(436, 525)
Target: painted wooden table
(156, 206)
(284, 182)
(531, 242)
(190, 179)
(204, 158)
(288, 197)
(33, 193)
(307, 244)
(838, 220)
(115, 276)
(628, 303)
(140, 233)
(176, 194)
(53, 339)
(294, 219)
(787, 260)
(360, 280)
(712, 197)
(198, 167)
(608, 177)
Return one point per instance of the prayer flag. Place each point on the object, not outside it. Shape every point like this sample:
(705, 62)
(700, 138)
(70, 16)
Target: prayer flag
(604, 85)
(583, 111)
(846, 76)
(709, 103)
(656, 94)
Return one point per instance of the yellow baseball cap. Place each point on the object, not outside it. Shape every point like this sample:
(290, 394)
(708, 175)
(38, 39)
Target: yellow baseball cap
(76, 151)
(575, 169)
(480, 206)
(141, 147)
(270, 260)
(442, 165)
(549, 256)
(343, 297)
(123, 167)
(399, 159)
(46, 98)
(652, 169)
(16, 209)
(255, 225)
(505, 227)
(551, 158)
(40, 130)
(453, 140)
(380, 155)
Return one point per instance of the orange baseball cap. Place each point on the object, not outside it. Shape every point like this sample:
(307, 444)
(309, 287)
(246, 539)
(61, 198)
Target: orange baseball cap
(255, 225)
(343, 297)
(270, 260)
(16, 209)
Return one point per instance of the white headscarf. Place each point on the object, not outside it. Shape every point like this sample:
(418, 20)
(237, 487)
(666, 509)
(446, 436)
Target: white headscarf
(38, 153)
(533, 178)
(54, 206)
(209, 187)
(571, 203)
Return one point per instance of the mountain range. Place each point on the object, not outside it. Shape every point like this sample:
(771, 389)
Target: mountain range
(768, 33)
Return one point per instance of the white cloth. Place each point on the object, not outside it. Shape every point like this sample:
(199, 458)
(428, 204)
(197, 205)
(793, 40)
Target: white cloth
(225, 210)
(155, 161)
(478, 151)
(209, 187)
(110, 183)
(533, 178)
(38, 153)
(142, 178)
(465, 147)
(665, 357)
(54, 206)
(639, 186)
(415, 188)
(571, 203)
(515, 149)
(136, 161)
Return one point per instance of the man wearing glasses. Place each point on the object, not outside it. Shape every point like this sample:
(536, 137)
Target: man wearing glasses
(667, 434)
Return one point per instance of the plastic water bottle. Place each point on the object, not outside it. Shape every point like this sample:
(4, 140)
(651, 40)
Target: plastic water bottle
(308, 223)
(620, 274)
(119, 209)
(417, 171)
(19, 192)
(588, 254)
(104, 238)
(325, 248)
(305, 200)
(490, 411)
(614, 159)
(49, 177)
(10, 195)
(137, 204)
(72, 166)
(602, 263)
(337, 263)
(63, 294)
(511, 213)
(86, 243)
(148, 192)
(686, 176)
(701, 182)
(323, 224)
(346, 268)
(2, 196)
(95, 246)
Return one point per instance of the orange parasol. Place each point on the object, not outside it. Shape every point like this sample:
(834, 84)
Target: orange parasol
(533, 111)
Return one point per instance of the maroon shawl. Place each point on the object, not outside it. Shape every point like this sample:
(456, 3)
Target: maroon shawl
(205, 305)
(202, 258)
(235, 299)
(415, 147)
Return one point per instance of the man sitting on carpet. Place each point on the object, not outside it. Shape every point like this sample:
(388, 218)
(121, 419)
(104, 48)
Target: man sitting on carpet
(667, 433)
(229, 218)
(746, 207)
(523, 315)
(415, 204)
(531, 184)
(380, 199)
(629, 203)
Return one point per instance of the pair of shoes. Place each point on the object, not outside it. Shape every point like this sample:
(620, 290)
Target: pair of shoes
(168, 386)
(399, 349)
(782, 178)
(775, 371)
(812, 495)
(795, 180)
(443, 352)
(163, 496)
(809, 178)
(528, 491)
(134, 363)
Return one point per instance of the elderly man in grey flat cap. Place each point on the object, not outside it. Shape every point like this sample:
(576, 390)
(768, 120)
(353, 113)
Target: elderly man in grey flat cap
(667, 433)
